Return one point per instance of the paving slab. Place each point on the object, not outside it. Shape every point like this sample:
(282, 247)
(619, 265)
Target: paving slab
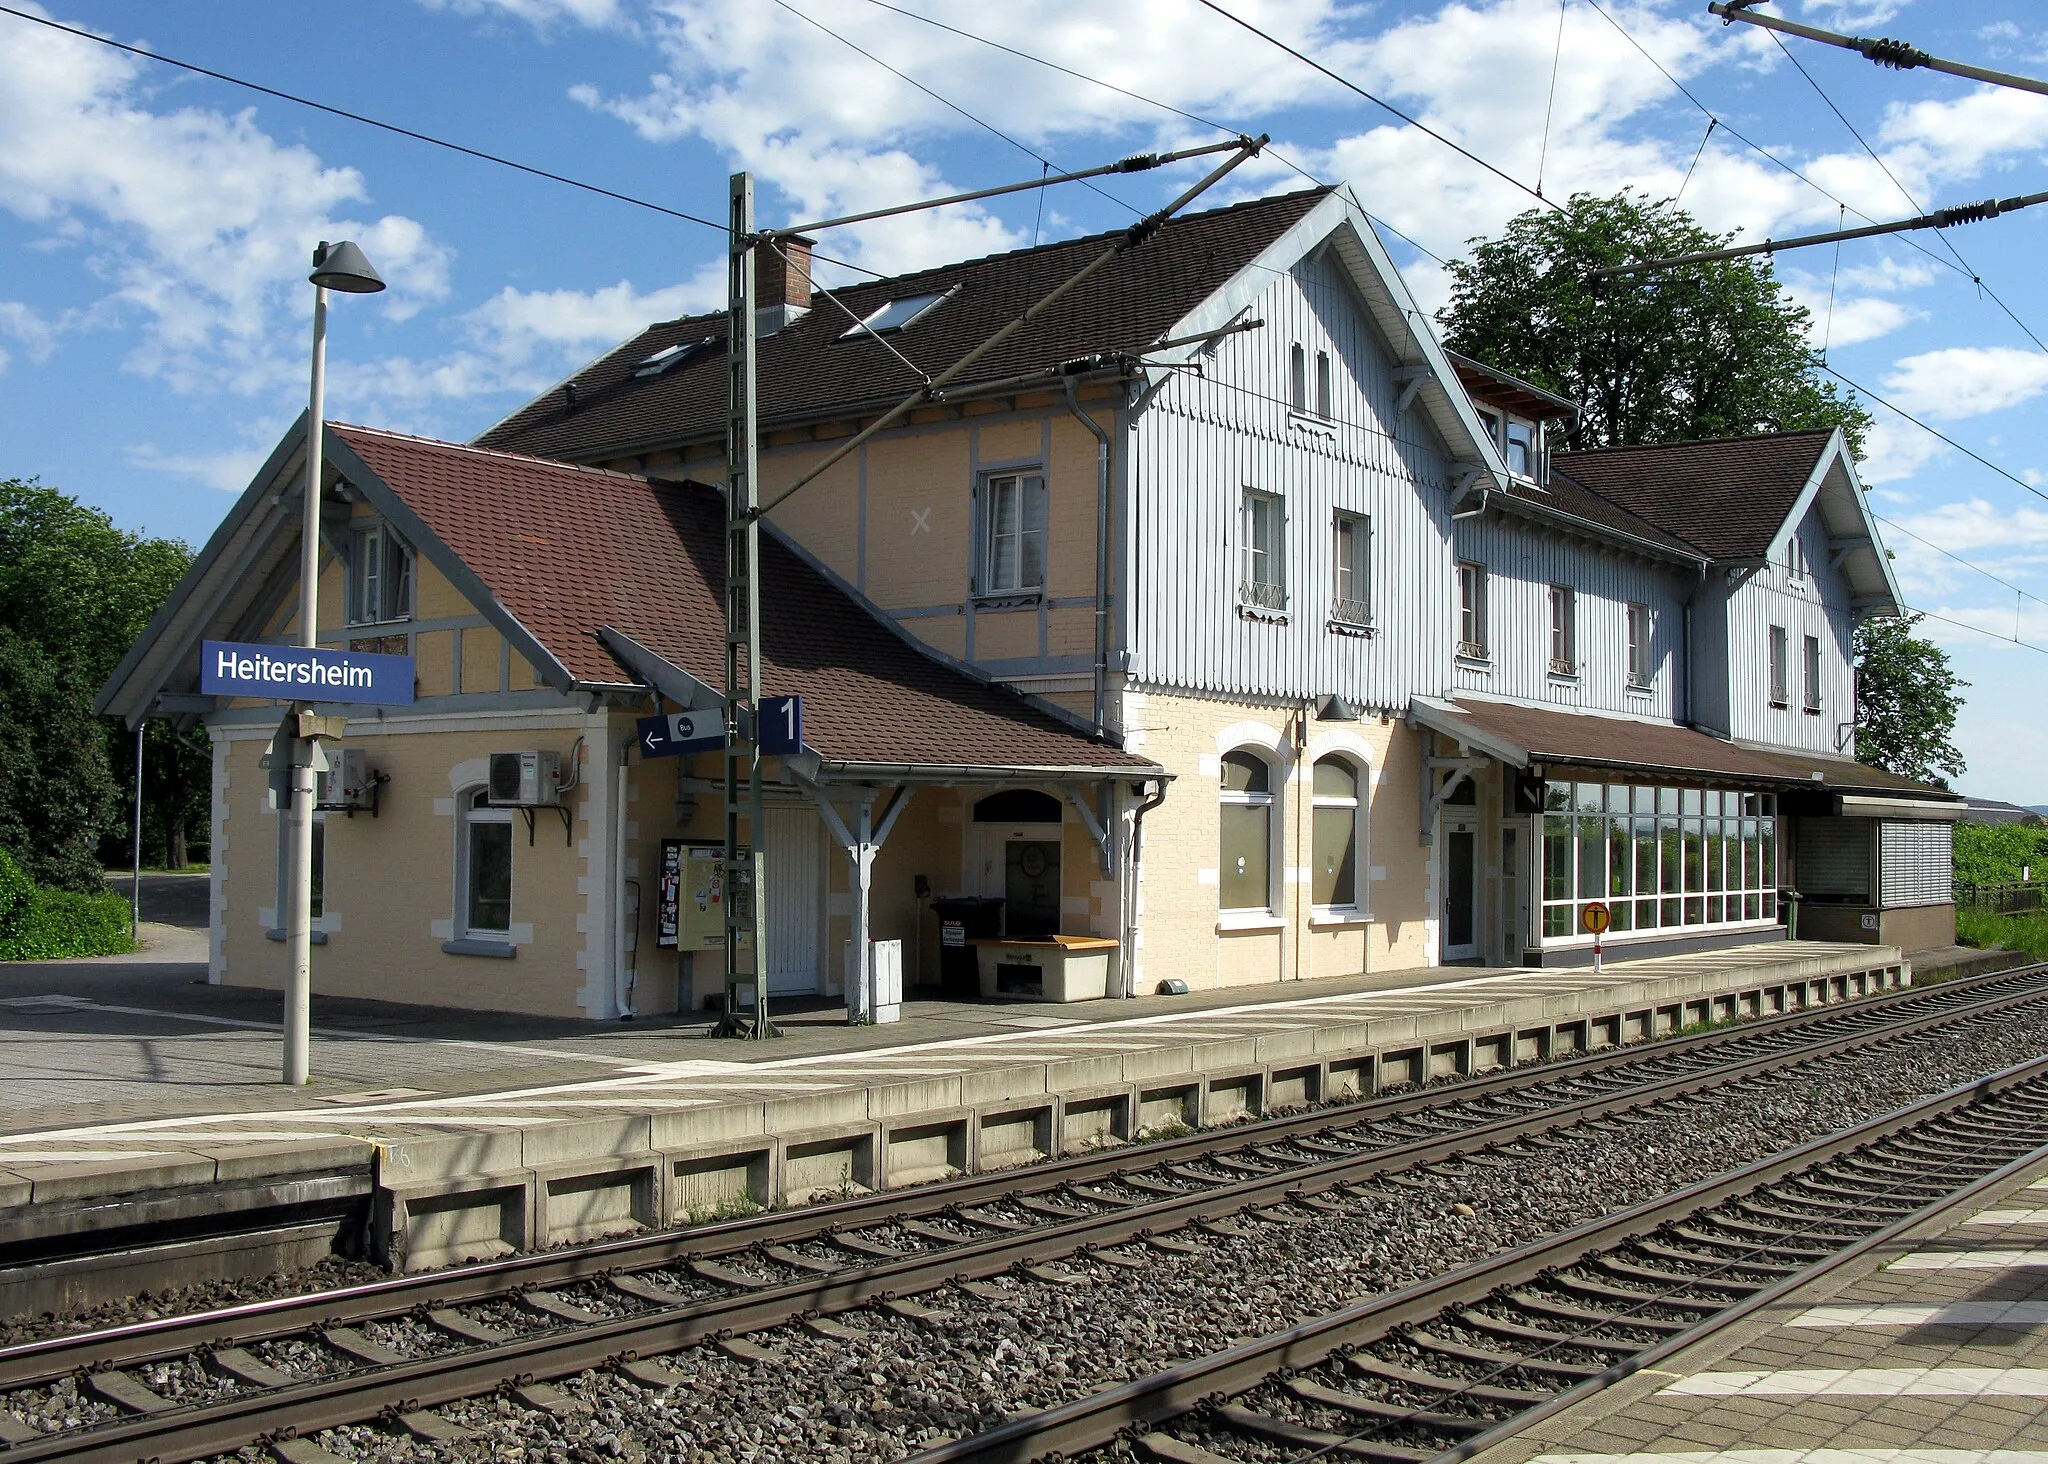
(1888, 1361)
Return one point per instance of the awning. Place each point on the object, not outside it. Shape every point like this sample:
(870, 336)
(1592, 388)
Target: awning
(1873, 792)
(1524, 736)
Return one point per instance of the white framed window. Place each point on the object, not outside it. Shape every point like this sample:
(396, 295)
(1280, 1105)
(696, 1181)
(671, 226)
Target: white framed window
(1780, 673)
(1245, 872)
(1564, 631)
(1013, 534)
(1337, 833)
(1471, 610)
(1262, 582)
(1351, 556)
(1323, 407)
(1659, 858)
(380, 574)
(483, 867)
(1490, 420)
(1297, 377)
(1521, 448)
(1810, 673)
(1795, 559)
(1638, 645)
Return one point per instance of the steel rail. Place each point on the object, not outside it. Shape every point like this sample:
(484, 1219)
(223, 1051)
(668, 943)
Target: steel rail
(144, 1341)
(1096, 1420)
(352, 1397)
(134, 1343)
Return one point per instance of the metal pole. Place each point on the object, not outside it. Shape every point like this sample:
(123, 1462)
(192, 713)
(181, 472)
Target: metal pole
(1142, 162)
(1944, 218)
(1137, 234)
(1884, 52)
(745, 914)
(135, 892)
(298, 931)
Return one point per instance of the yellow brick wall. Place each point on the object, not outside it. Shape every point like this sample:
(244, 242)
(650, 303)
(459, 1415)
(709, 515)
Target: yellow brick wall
(389, 881)
(1185, 935)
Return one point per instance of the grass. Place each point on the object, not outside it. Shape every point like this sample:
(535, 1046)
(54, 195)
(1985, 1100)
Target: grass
(1991, 931)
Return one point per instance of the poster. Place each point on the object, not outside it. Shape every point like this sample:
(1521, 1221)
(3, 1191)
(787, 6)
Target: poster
(690, 915)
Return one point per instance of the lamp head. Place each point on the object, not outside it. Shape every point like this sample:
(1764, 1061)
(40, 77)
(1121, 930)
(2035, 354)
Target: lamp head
(343, 267)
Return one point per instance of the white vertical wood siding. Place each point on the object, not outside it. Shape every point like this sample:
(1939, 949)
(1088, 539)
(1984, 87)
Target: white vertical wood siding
(1522, 562)
(1819, 606)
(1202, 440)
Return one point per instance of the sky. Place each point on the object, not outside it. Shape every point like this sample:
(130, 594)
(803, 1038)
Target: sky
(155, 224)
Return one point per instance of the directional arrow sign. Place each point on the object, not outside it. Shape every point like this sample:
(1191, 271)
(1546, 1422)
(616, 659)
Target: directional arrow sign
(681, 732)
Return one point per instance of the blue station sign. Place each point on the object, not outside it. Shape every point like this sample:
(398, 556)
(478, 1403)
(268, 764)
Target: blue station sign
(681, 732)
(293, 673)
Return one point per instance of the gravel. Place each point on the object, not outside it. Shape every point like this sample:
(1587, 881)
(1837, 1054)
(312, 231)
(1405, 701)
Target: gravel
(899, 1385)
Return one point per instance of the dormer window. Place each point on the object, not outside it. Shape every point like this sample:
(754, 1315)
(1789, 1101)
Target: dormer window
(670, 357)
(379, 575)
(896, 315)
(1491, 422)
(1521, 449)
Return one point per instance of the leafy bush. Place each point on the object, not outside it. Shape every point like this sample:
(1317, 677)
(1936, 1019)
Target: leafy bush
(1989, 930)
(60, 923)
(16, 892)
(1996, 853)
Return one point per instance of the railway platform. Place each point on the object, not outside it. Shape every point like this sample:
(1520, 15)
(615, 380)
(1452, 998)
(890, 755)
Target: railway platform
(473, 1137)
(1931, 1350)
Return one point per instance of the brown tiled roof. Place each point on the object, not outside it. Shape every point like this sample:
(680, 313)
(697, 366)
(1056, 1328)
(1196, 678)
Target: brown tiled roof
(1562, 495)
(1614, 742)
(1728, 497)
(1840, 775)
(806, 371)
(570, 550)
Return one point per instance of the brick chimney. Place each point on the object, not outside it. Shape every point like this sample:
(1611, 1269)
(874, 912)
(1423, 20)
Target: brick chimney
(777, 283)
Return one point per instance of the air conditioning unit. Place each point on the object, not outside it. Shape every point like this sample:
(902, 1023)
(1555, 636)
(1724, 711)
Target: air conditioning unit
(350, 783)
(525, 780)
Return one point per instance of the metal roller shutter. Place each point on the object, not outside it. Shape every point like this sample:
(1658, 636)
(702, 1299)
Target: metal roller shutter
(1916, 863)
(1833, 858)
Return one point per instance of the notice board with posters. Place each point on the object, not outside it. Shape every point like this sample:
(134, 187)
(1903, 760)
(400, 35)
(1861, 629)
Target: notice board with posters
(690, 906)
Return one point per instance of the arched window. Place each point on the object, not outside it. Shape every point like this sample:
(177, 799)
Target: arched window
(1245, 876)
(483, 858)
(1338, 815)
(1297, 378)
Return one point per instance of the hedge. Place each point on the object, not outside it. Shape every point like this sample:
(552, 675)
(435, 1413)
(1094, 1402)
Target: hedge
(47, 925)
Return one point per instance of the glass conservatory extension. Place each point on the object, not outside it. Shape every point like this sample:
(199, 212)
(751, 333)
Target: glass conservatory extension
(1661, 858)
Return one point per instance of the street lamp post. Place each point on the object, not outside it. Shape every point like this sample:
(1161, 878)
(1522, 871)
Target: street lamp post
(335, 267)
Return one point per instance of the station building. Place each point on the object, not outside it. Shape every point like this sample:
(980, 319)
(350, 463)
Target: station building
(1223, 616)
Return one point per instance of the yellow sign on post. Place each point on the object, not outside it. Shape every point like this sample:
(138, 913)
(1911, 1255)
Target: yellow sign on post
(1596, 918)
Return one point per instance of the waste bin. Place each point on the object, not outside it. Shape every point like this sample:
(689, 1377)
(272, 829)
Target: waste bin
(963, 919)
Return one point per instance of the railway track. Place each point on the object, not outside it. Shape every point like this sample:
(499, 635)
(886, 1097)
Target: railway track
(1438, 1372)
(182, 1388)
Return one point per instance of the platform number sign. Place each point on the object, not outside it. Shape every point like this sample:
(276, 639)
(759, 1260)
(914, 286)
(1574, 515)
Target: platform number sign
(782, 725)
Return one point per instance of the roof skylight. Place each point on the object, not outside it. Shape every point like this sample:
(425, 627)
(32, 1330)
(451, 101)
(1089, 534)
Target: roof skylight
(669, 357)
(895, 315)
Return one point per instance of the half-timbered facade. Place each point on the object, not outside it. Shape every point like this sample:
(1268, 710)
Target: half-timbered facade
(1320, 658)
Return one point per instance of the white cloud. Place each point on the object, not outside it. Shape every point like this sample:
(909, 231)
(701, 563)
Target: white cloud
(1889, 274)
(1895, 449)
(25, 325)
(196, 220)
(228, 469)
(537, 13)
(1967, 381)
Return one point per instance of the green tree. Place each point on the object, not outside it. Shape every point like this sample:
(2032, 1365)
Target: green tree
(75, 592)
(1703, 350)
(1907, 701)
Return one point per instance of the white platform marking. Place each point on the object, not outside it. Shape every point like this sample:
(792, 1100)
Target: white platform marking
(2008, 1217)
(1922, 1314)
(1982, 1260)
(1813, 1456)
(1869, 1382)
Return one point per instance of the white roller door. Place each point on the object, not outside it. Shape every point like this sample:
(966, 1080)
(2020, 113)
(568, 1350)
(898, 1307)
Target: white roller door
(795, 859)
(1916, 863)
